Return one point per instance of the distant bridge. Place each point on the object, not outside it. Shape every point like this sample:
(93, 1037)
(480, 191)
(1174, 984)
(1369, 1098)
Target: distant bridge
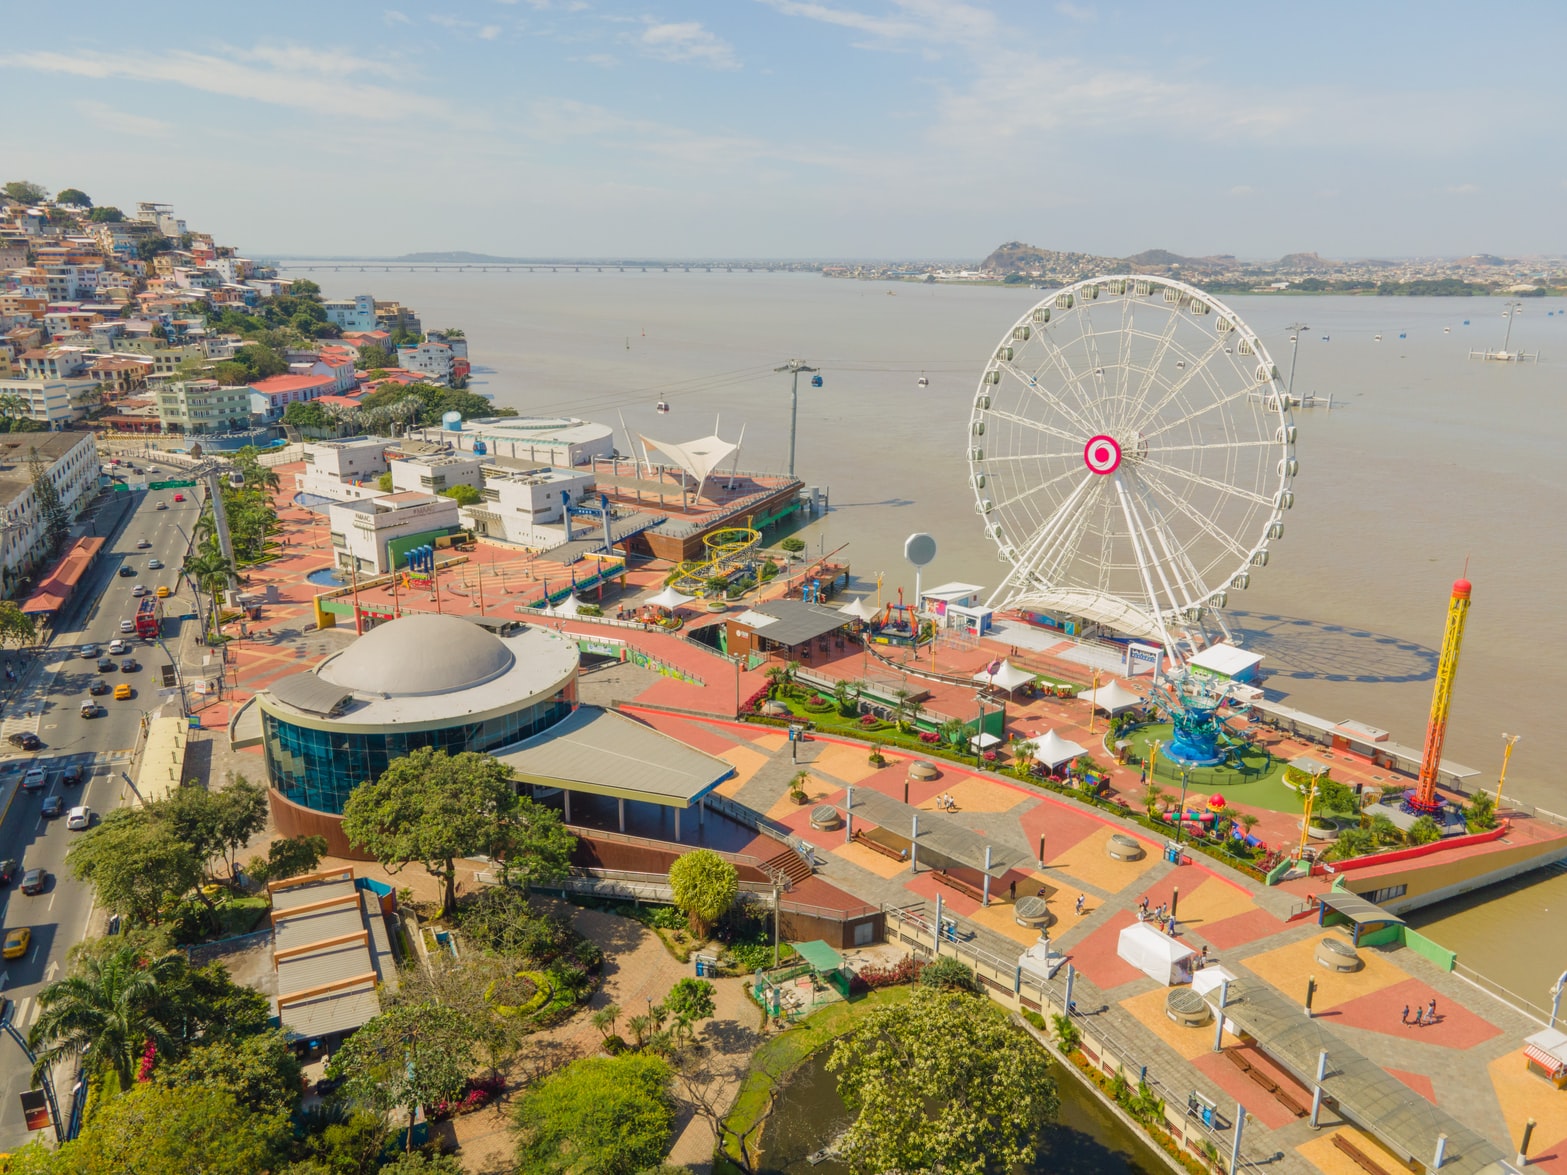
(351, 266)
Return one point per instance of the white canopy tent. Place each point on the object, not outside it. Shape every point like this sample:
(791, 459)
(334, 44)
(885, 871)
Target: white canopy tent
(1007, 676)
(670, 598)
(1052, 750)
(983, 741)
(698, 458)
(567, 608)
(861, 609)
(1156, 955)
(1112, 698)
(1211, 978)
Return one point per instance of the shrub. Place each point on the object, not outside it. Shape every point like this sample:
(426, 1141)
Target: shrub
(872, 976)
(1423, 831)
(949, 974)
(792, 544)
(1481, 813)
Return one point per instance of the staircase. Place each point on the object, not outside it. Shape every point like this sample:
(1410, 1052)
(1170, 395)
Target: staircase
(788, 863)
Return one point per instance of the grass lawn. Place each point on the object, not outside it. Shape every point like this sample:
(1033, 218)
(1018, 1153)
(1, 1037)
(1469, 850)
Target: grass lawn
(1256, 782)
(786, 1050)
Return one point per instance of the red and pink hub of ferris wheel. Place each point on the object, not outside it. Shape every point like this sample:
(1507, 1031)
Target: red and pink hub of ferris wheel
(1102, 454)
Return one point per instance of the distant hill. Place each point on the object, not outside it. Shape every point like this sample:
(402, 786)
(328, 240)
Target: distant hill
(1018, 257)
(456, 258)
(1307, 261)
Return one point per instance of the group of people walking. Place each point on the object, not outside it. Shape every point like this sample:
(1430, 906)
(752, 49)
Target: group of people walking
(1423, 1016)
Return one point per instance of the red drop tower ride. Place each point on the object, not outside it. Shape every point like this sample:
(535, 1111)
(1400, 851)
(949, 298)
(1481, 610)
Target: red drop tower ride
(1423, 800)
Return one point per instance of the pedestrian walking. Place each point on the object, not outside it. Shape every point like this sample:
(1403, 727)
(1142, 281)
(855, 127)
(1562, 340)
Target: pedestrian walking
(1080, 903)
(1431, 1011)
(1143, 905)
(1405, 1017)
(1012, 891)
(1171, 926)
(1420, 1017)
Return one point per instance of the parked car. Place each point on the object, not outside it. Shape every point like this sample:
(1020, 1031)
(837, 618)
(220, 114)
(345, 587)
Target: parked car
(78, 818)
(17, 940)
(53, 806)
(35, 778)
(98, 687)
(154, 564)
(25, 739)
(118, 647)
(7, 871)
(34, 880)
(126, 571)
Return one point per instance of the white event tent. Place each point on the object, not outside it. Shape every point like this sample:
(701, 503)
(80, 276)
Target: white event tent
(861, 609)
(670, 598)
(1112, 699)
(1007, 676)
(1052, 750)
(1156, 955)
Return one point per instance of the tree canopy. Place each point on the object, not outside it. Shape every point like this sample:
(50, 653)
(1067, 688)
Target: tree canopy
(135, 864)
(108, 214)
(599, 1116)
(942, 1082)
(261, 1071)
(705, 886)
(73, 196)
(434, 808)
(25, 192)
(16, 627)
(463, 495)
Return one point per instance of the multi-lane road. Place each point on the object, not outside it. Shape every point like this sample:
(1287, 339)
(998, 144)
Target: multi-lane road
(48, 702)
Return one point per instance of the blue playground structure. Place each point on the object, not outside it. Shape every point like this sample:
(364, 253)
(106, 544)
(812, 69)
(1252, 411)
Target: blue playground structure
(1202, 735)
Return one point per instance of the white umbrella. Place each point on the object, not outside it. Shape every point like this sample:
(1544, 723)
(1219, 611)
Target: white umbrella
(1052, 750)
(670, 598)
(860, 609)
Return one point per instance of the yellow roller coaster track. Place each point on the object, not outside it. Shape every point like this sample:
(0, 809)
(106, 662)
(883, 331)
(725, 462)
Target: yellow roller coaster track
(727, 550)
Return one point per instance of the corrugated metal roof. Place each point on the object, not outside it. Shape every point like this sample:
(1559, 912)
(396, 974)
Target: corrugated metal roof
(609, 754)
(311, 693)
(356, 913)
(794, 621)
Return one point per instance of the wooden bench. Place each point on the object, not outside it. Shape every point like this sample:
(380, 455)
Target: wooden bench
(1283, 1096)
(1362, 1160)
(877, 847)
(963, 887)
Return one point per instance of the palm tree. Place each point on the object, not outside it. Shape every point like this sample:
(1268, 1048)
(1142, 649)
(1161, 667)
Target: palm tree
(105, 1016)
(1153, 796)
(209, 570)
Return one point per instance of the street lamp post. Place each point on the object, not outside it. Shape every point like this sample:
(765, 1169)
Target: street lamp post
(1510, 740)
(1294, 328)
(794, 367)
(1180, 815)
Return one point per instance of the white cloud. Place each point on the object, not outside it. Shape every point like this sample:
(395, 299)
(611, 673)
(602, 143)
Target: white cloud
(1243, 190)
(687, 40)
(123, 122)
(916, 20)
(394, 17)
(1082, 13)
(1462, 189)
(602, 60)
(489, 32)
(299, 79)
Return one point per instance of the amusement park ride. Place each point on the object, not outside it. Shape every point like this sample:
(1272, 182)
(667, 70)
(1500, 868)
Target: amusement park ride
(1202, 736)
(1423, 801)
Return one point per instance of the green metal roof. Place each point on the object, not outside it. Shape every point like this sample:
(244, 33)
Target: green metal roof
(819, 956)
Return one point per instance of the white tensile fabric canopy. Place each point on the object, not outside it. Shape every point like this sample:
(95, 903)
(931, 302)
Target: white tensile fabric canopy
(861, 609)
(1007, 676)
(699, 457)
(670, 598)
(1052, 750)
(1112, 698)
(1210, 977)
(567, 607)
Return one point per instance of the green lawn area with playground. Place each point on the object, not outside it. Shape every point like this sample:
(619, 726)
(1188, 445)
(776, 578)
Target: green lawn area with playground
(1253, 777)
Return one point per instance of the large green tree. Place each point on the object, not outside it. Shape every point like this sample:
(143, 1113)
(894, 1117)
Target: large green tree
(16, 627)
(288, 856)
(260, 1071)
(600, 1116)
(433, 808)
(105, 1014)
(135, 864)
(410, 1055)
(24, 192)
(216, 824)
(942, 1083)
(73, 196)
(705, 886)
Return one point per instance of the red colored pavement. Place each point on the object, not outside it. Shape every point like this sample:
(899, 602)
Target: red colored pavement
(1418, 1082)
(1095, 956)
(1229, 933)
(1258, 1102)
(1456, 1027)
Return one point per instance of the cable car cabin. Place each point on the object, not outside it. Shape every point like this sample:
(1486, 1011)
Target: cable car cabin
(663, 408)
(816, 381)
(924, 383)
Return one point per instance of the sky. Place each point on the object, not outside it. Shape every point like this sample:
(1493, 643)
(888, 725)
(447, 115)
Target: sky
(806, 128)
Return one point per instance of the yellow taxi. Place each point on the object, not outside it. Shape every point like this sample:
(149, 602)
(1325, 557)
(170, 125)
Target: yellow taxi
(163, 591)
(122, 692)
(16, 942)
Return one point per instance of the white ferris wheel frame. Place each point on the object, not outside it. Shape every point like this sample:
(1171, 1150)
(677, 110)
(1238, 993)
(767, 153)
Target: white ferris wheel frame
(1119, 473)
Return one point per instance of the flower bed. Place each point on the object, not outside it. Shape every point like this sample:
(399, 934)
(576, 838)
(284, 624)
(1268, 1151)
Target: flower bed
(481, 1092)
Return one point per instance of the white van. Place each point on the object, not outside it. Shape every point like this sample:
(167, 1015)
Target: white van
(128, 626)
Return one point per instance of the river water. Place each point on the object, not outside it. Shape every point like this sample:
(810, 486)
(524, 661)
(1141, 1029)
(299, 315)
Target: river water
(1428, 461)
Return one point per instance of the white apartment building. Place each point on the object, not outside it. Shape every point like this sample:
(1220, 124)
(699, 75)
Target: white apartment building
(356, 313)
(362, 531)
(343, 471)
(72, 463)
(549, 440)
(525, 507)
(437, 472)
(55, 402)
(427, 358)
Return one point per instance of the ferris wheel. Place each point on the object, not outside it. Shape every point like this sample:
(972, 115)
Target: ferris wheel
(1131, 454)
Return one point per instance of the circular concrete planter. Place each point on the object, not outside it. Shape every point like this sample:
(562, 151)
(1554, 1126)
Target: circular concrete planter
(1033, 912)
(1187, 1008)
(826, 817)
(1335, 954)
(1125, 848)
(923, 769)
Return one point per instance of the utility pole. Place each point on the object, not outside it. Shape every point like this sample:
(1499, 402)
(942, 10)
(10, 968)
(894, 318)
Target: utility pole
(1510, 313)
(794, 367)
(1294, 328)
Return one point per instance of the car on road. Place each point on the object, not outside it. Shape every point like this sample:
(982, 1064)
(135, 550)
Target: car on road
(7, 871)
(35, 778)
(105, 664)
(89, 652)
(126, 571)
(118, 647)
(179, 497)
(34, 880)
(127, 626)
(90, 708)
(25, 739)
(72, 775)
(53, 806)
(17, 940)
(78, 818)
(98, 687)
(122, 692)
(161, 506)
(142, 544)
(129, 665)
(154, 564)
(139, 590)
(163, 591)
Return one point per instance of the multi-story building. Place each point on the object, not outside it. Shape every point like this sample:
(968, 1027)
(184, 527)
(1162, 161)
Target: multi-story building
(390, 316)
(55, 362)
(332, 465)
(55, 402)
(161, 216)
(433, 473)
(356, 313)
(558, 441)
(120, 375)
(70, 461)
(518, 503)
(198, 406)
(373, 533)
(269, 397)
(429, 359)
(459, 344)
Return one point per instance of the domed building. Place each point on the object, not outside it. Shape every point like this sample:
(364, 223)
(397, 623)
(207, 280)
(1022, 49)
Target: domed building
(456, 684)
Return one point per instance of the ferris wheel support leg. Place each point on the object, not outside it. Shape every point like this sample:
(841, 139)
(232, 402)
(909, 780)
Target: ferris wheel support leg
(1144, 552)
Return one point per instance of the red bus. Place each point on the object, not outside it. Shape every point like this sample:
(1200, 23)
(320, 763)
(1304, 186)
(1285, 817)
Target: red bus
(149, 618)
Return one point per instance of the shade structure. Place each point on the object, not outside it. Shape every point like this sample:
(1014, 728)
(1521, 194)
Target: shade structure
(1052, 750)
(1112, 698)
(568, 607)
(1156, 955)
(1007, 676)
(861, 609)
(670, 598)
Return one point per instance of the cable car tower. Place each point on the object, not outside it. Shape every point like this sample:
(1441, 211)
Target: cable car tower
(1423, 800)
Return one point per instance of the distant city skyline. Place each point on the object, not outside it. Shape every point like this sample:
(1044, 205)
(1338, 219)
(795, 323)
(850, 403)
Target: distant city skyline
(866, 129)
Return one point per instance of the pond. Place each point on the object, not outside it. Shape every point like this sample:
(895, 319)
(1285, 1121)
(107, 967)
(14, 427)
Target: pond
(328, 577)
(1086, 1139)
